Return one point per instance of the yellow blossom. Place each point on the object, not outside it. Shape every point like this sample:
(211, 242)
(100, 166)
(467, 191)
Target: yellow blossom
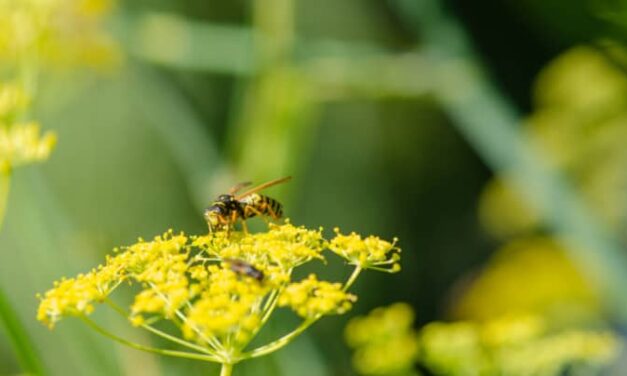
(228, 305)
(76, 296)
(56, 31)
(216, 308)
(285, 246)
(23, 143)
(368, 253)
(384, 341)
(579, 127)
(552, 284)
(310, 298)
(454, 349)
(513, 345)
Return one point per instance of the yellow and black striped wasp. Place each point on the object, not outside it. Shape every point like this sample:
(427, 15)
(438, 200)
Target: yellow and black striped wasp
(224, 212)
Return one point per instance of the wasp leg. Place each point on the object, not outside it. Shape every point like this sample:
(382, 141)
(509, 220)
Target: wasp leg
(244, 226)
(272, 213)
(249, 209)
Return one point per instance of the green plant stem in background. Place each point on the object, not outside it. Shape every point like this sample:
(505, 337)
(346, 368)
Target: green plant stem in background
(227, 369)
(18, 337)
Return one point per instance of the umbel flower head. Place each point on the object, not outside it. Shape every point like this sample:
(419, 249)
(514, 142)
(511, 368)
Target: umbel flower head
(384, 341)
(20, 142)
(217, 289)
(524, 344)
(23, 143)
(56, 31)
(515, 345)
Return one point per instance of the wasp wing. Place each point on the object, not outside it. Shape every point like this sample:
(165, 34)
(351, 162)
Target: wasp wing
(263, 186)
(238, 187)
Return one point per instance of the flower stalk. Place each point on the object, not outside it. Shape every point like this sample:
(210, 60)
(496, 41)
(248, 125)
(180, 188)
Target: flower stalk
(226, 370)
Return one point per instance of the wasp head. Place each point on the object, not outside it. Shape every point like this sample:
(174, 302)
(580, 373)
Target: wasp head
(214, 216)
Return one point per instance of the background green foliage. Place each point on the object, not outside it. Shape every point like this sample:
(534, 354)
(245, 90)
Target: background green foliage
(390, 116)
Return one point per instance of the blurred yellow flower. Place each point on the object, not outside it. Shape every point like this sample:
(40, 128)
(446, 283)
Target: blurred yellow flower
(55, 31)
(384, 341)
(513, 345)
(503, 211)
(530, 275)
(579, 124)
(453, 349)
(23, 143)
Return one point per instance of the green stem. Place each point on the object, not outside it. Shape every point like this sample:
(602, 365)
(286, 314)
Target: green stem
(210, 340)
(9, 319)
(137, 346)
(158, 332)
(352, 278)
(279, 343)
(227, 369)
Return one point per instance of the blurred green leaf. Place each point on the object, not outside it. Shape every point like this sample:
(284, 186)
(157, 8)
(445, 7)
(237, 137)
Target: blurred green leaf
(23, 347)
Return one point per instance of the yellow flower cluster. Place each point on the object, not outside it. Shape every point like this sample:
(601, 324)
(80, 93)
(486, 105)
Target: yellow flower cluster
(76, 296)
(20, 142)
(23, 143)
(368, 253)
(554, 287)
(55, 31)
(228, 305)
(384, 341)
(311, 298)
(218, 289)
(282, 247)
(579, 125)
(513, 345)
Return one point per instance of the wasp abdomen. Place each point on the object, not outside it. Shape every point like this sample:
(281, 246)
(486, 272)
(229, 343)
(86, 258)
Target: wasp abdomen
(256, 204)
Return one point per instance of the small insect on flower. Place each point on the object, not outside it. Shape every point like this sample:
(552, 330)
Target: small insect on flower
(241, 267)
(224, 212)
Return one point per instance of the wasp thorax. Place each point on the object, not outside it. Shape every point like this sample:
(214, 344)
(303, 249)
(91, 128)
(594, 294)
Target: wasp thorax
(226, 198)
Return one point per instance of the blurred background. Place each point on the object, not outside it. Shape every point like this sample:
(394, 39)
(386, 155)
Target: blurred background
(488, 136)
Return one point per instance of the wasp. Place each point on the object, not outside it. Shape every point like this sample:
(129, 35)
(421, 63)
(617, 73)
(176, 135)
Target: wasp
(243, 268)
(228, 208)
